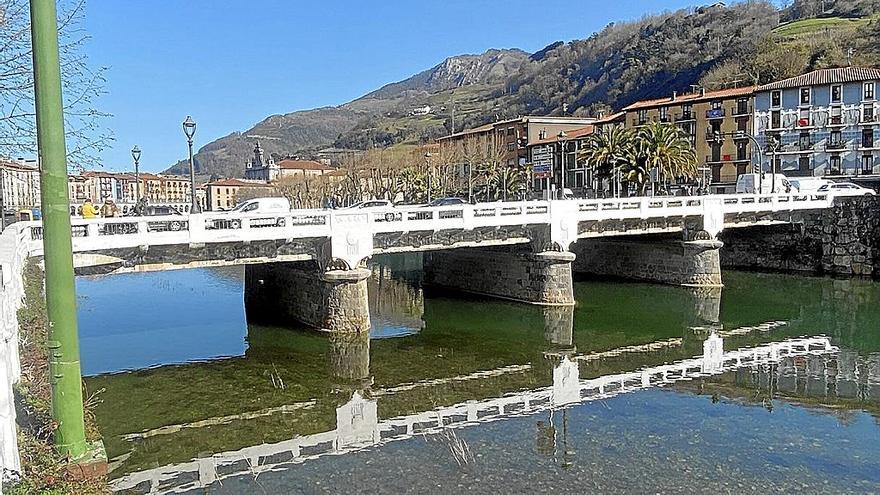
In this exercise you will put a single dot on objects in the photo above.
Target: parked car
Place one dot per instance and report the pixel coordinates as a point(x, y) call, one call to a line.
point(809, 184)
point(272, 207)
point(373, 203)
point(846, 189)
point(763, 184)
point(263, 205)
point(446, 202)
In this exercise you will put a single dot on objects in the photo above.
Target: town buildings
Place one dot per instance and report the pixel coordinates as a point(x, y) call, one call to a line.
point(225, 194)
point(823, 123)
point(555, 165)
point(19, 185)
point(507, 141)
point(717, 123)
point(266, 169)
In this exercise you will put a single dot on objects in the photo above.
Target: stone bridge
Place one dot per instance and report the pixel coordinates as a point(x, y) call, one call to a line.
point(306, 265)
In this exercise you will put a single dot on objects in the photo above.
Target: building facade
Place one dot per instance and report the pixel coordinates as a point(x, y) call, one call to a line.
point(823, 123)
point(19, 185)
point(717, 123)
point(224, 194)
point(555, 165)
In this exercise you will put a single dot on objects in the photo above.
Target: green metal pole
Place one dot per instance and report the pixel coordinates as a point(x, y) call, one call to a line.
point(67, 402)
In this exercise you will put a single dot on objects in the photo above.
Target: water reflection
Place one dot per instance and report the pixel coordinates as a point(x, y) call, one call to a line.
point(290, 395)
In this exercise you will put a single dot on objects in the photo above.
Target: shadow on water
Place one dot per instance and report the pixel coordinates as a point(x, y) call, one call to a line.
point(280, 383)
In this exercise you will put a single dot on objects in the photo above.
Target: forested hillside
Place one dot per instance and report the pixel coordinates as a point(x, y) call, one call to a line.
point(714, 46)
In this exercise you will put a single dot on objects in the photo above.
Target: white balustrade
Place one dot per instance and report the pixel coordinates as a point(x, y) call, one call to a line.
point(351, 231)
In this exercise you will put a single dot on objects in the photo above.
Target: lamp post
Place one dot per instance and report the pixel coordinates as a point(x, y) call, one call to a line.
point(189, 129)
point(562, 136)
point(136, 155)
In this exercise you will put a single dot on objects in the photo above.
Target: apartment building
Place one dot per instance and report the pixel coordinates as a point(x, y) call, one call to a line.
point(224, 194)
point(718, 124)
point(509, 140)
point(823, 123)
point(19, 184)
point(555, 165)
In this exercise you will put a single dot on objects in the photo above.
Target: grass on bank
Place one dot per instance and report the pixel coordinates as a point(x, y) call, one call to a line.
point(43, 470)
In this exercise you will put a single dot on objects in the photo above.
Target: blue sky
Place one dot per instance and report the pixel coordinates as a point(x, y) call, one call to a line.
point(230, 64)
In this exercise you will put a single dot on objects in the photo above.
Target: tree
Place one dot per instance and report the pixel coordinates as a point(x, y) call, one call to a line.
point(665, 148)
point(81, 85)
point(606, 151)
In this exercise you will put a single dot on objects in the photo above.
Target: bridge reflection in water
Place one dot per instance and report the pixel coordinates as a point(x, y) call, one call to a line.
point(297, 396)
point(358, 425)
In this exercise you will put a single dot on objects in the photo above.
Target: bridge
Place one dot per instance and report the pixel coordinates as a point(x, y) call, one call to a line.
point(305, 265)
point(359, 428)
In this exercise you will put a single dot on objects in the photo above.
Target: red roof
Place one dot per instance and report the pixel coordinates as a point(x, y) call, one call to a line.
point(569, 135)
point(825, 76)
point(303, 165)
point(692, 98)
point(236, 183)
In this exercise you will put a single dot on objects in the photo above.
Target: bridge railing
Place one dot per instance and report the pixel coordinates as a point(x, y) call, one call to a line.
point(562, 216)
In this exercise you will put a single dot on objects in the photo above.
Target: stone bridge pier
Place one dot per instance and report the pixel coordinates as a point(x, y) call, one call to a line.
point(653, 259)
point(331, 301)
point(514, 274)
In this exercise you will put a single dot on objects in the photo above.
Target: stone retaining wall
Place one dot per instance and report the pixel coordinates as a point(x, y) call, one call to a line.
point(543, 278)
point(843, 240)
point(653, 259)
point(334, 301)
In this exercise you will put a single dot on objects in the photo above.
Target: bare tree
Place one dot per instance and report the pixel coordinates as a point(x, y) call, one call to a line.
point(81, 85)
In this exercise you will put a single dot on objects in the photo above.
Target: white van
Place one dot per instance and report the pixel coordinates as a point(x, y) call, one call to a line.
point(263, 205)
point(763, 184)
point(809, 184)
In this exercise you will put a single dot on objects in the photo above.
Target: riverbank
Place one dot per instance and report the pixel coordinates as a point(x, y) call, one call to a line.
point(43, 470)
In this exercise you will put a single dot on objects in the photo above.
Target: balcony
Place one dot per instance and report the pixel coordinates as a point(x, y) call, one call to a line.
point(835, 146)
point(717, 158)
point(740, 109)
point(836, 120)
point(743, 157)
point(686, 116)
point(715, 113)
point(710, 135)
point(869, 119)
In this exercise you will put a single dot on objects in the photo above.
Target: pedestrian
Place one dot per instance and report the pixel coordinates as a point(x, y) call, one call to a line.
point(89, 210)
point(109, 210)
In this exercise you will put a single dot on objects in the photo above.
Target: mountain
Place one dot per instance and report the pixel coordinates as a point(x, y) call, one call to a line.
point(714, 46)
point(357, 123)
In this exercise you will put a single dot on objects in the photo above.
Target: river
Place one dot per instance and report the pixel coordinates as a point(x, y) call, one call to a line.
point(188, 395)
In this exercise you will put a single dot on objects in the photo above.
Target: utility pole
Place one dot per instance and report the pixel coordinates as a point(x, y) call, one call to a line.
point(64, 367)
point(2, 202)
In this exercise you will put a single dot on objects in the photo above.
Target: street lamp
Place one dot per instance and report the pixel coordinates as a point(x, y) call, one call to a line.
point(562, 136)
point(136, 155)
point(189, 128)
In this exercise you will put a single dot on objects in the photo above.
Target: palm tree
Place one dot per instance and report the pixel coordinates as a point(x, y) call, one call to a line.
point(667, 149)
point(608, 151)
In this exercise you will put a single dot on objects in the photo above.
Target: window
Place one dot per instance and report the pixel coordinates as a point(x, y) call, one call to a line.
point(741, 151)
point(642, 116)
point(664, 114)
point(836, 93)
point(804, 164)
point(716, 105)
point(742, 125)
point(868, 113)
point(867, 138)
point(834, 164)
point(806, 96)
point(867, 164)
point(511, 146)
point(836, 138)
point(776, 119)
point(804, 141)
point(869, 91)
point(687, 111)
point(776, 99)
